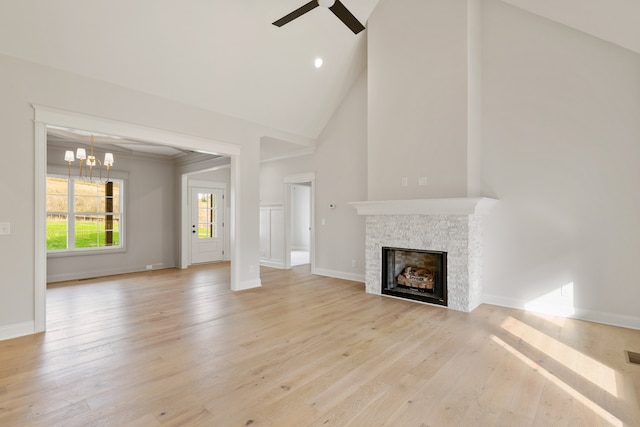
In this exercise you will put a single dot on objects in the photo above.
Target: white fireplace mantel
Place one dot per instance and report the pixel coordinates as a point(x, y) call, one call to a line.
point(443, 206)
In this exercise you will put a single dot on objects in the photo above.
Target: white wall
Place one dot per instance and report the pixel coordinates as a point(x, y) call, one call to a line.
point(417, 99)
point(560, 134)
point(561, 150)
point(339, 163)
point(272, 177)
point(217, 175)
point(150, 198)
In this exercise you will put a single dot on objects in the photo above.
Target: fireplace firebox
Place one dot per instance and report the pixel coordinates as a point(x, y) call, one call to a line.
point(415, 274)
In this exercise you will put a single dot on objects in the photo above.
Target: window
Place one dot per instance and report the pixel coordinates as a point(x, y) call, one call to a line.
point(83, 215)
point(207, 215)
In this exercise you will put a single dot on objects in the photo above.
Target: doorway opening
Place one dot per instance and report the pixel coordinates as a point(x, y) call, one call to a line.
point(46, 117)
point(299, 220)
point(300, 223)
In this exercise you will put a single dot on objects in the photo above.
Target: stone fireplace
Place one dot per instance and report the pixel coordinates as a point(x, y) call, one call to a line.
point(452, 226)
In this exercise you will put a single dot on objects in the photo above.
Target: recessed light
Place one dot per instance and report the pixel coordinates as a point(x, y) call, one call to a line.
point(318, 62)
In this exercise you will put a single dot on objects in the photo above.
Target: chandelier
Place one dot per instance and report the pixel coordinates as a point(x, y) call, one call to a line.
point(89, 161)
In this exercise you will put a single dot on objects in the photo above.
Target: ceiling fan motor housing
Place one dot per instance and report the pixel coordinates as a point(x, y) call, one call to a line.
point(326, 3)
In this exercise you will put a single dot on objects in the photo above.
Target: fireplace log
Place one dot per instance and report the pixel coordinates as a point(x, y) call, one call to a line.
point(415, 277)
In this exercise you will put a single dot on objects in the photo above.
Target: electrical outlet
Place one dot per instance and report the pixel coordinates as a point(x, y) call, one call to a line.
point(5, 228)
point(405, 181)
point(422, 181)
point(150, 267)
point(354, 263)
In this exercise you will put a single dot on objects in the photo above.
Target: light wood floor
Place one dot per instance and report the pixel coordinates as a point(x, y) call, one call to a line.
point(177, 348)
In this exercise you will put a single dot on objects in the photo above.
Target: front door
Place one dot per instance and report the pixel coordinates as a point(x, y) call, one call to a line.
point(207, 219)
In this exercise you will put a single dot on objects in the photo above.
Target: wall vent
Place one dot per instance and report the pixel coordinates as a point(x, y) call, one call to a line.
point(633, 357)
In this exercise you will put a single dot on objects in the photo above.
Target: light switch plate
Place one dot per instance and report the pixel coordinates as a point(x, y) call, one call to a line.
point(5, 228)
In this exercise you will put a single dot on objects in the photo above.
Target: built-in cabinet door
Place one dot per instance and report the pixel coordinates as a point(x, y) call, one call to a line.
point(265, 233)
point(277, 235)
point(272, 235)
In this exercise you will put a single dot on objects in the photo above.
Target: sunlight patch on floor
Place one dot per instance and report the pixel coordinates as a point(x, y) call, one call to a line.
point(588, 403)
point(583, 365)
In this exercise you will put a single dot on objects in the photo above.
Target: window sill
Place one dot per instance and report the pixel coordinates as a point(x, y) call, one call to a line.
point(84, 252)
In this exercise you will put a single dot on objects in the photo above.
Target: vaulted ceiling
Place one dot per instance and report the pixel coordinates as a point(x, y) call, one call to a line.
point(220, 55)
point(225, 56)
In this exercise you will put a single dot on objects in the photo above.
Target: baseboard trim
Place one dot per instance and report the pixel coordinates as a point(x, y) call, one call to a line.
point(624, 321)
point(17, 330)
point(613, 319)
point(339, 275)
point(249, 284)
point(100, 273)
point(272, 264)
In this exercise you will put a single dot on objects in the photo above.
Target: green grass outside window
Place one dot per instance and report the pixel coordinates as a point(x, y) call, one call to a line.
point(89, 234)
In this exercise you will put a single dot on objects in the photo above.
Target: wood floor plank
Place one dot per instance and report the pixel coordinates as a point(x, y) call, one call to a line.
point(178, 348)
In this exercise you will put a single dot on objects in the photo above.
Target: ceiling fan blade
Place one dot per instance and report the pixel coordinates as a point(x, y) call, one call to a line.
point(347, 17)
point(296, 13)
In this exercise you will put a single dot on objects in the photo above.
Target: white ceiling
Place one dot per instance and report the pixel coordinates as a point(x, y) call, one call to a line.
point(74, 138)
point(225, 56)
point(616, 21)
point(220, 55)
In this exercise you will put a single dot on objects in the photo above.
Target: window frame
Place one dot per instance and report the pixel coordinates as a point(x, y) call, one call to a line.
point(71, 214)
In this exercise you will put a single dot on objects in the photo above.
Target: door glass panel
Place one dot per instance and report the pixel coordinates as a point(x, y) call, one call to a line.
point(207, 216)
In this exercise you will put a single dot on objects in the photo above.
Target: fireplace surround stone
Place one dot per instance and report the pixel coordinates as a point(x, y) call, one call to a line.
point(454, 226)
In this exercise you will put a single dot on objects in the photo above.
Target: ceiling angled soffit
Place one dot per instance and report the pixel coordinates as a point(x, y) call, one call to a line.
point(615, 21)
point(272, 149)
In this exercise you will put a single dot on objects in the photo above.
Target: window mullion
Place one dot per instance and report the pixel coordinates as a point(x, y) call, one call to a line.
point(71, 217)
